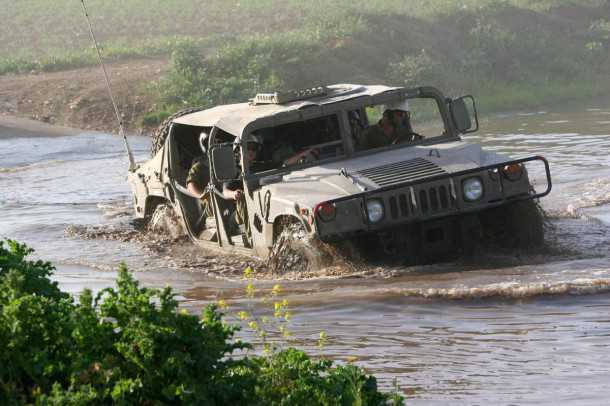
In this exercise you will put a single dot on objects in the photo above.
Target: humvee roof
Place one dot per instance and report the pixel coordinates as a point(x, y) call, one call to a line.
point(240, 118)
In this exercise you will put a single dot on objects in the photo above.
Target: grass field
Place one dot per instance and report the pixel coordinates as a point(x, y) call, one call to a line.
point(34, 29)
point(510, 51)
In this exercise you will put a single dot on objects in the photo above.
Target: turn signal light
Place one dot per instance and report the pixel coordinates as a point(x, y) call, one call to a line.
point(325, 211)
point(513, 171)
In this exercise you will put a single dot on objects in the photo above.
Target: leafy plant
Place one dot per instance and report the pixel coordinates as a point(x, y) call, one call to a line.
point(132, 345)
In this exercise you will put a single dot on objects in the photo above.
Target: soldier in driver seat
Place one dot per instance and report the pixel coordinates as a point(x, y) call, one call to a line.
point(393, 128)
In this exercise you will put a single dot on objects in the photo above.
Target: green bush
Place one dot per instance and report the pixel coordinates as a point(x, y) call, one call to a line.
point(236, 72)
point(131, 345)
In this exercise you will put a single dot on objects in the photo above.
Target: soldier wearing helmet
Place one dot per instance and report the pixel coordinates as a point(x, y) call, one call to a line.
point(199, 176)
point(234, 190)
point(393, 128)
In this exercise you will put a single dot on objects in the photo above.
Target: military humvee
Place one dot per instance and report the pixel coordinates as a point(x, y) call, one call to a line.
point(418, 200)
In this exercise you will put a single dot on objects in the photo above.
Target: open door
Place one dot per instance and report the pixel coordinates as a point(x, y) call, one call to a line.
point(182, 144)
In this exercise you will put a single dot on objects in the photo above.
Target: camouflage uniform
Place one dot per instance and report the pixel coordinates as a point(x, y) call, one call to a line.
point(199, 175)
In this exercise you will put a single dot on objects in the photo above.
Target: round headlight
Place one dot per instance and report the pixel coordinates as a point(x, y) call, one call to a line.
point(473, 189)
point(374, 210)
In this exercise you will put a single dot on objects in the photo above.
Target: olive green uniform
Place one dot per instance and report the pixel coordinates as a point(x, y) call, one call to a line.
point(375, 137)
point(240, 215)
point(199, 175)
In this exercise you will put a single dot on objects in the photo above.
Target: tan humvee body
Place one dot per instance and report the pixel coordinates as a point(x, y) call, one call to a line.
point(419, 185)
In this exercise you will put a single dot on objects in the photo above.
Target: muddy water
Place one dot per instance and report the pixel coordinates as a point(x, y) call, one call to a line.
point(502, 329)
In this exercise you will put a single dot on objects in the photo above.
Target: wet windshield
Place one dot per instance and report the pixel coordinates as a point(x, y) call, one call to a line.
point(402, 122)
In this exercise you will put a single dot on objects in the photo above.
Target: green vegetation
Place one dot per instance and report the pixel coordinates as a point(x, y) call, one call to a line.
point(509, 55)
point(131, 345)
point(227, 50)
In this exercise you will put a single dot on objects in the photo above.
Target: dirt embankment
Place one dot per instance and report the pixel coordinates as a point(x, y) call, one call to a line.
point(79, 98)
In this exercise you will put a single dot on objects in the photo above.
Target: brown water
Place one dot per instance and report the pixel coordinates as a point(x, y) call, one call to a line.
point(532, 329)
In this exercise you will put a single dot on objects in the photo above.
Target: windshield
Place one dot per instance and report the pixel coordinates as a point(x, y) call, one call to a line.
point(404, 122)
point(297, 143)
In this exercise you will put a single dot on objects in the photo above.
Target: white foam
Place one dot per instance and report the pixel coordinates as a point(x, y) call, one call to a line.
point(514, 290)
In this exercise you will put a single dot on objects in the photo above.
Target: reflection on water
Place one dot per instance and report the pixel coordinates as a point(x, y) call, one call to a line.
point(502, 330)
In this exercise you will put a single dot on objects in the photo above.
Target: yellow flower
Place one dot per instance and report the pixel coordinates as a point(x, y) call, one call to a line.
point(250, 290)
point(243, 315)
point(248, 273)
point(253, 325)
point(222, 305)
point(323, 339)
point(184, 311)
point(267, 348)
point(287, 316)
point(284, 331)
point(276, 289)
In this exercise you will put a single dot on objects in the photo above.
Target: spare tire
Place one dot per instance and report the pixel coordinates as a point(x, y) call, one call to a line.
point(160, 134)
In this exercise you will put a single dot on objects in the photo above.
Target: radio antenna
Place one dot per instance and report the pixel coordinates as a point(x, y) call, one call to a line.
point(132, 164)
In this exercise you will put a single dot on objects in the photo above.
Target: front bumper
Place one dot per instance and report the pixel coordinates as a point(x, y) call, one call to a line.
point(430, 198)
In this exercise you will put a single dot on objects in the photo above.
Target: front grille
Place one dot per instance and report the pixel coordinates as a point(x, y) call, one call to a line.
point(423, 201)
point(400, 172)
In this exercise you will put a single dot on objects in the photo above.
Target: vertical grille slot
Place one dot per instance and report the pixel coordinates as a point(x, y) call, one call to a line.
point(433, 199)
point(442, 191)
point(393, 207)
point(423, 201)
point(404, 206)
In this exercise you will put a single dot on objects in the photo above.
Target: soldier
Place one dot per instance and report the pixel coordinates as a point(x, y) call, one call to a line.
point(199, 177)
point(234, 190)
point(393, 128)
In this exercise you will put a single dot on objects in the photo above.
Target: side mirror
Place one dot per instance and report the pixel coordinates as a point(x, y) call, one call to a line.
point(464, 114)
point(223, 162)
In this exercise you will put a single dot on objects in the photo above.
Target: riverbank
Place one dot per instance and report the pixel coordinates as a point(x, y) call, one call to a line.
point(78, 98)
point(64, 103)
point(512, 56)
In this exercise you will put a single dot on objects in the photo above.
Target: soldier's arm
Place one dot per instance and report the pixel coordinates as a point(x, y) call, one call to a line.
point(192, 182)
point(230, 192)
point(194, 189)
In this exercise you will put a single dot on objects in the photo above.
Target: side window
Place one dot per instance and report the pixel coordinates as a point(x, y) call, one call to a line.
point(298, 143)
point(374, 114)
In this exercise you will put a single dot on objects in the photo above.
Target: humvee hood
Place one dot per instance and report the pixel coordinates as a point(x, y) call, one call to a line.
point(334, 180)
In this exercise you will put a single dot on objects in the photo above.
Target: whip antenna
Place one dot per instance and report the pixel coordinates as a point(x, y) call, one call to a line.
point(132, 164)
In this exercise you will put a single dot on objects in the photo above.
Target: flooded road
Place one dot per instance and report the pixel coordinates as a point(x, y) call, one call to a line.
point(529, 329)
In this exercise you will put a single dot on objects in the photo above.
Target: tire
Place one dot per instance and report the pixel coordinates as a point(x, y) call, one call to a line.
point(295, 251)
point(519, 225)
point(160, 134)
point(164, 221)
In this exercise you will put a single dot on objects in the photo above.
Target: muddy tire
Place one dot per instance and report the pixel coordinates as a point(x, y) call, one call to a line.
point(160, 134)
point(295, 251)
point(519, 225)
point(164, 221)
